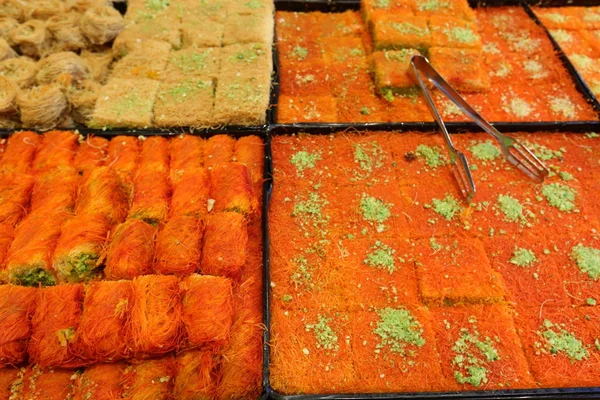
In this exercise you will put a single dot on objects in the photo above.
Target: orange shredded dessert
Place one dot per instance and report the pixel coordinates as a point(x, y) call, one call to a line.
point(79, 250)
point(196, 375)
point(325, 72)
point(479, 348)
point(92, 152)
point(559, 347)
point(54, 323)
point(150, 196)
point(191, 193)
point(218, 150)
point(74, 215)
point(179, 246)
point(155, 154)
point(207, 308)
point(105, 310)
point(20, 151)
point(149, 380)
point(7, 378)
point(101, 381)
point(225, 239)
point(45, 383)
point(154, 322)
point(131, 250)
point(57, 150)
point(384, 279)
point(16, 308)
point(232, 189)
point(575, 29)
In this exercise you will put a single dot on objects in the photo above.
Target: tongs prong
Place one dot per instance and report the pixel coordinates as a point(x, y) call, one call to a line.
point(514, 152)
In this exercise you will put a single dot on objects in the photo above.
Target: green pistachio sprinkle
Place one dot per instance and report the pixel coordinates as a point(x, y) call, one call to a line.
point(300, 53)
point(447, 207)
point(557, 340)
point(368, 156)
point(544, 153)
point(587, 260)
point(472, 355)
point(303, 160)
point(287, 298)
point(590, 301)
point(461, 35)
point(560, 196)
point(485, 151)
point(398, 329)
point(434, 244)
point(511, 208)
point(432, 155)
point(523, 257)
point(374, 209)
point(326, 337)
point(365, 111)
point(381, 256)
point(566, 176)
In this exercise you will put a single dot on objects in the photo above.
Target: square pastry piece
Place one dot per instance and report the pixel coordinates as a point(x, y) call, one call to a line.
point(392, 32)
point(454, 32)
point(391, 70)
point(461, 68)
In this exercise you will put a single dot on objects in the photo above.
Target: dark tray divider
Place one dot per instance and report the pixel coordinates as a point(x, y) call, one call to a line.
point(326, 129)
point(343, 5)
point(234, 131)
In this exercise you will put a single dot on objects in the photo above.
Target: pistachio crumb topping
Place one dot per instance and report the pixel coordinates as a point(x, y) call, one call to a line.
point(304, 160)
point(326, 337)
point(398, 329)
point(431, 154)
point(472, 356)
point(511, 208)
point(374, 210)
point(300, 53)
point(381, 256)
point(587, 260)
point(523, 257)
point(560, 196)
point(555, 339)
point(368, 156)
point(447, 207)
point(485, 151)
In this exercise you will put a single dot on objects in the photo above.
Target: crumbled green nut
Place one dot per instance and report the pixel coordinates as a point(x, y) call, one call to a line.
point(435, 245)
point(591, 135)
point(368, 156)
point(381, 256)
point(303, 160)
point(472, 355)
point(560, 196)
point(374, 209)
point(557, 340)
point(511, 208)
point(365, 111)
point(326, 337)
point(287, 298)
point(398, 330)
point(590, 301)
point(523, 257)
point(485, 151)
point(432, 155)
point(544, 153)
point(34, 277)
point(448, 207)
point(299, 53)
point(566, 176)
point(587, 260)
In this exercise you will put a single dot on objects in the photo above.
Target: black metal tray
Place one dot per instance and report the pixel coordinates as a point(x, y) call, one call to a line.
point(343, 5)
point(326, 129)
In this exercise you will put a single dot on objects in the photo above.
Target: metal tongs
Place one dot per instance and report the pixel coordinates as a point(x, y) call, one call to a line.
point(514, 152)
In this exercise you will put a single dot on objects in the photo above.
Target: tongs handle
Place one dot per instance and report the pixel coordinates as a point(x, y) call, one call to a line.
point(514, 152)
point(458, 161)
